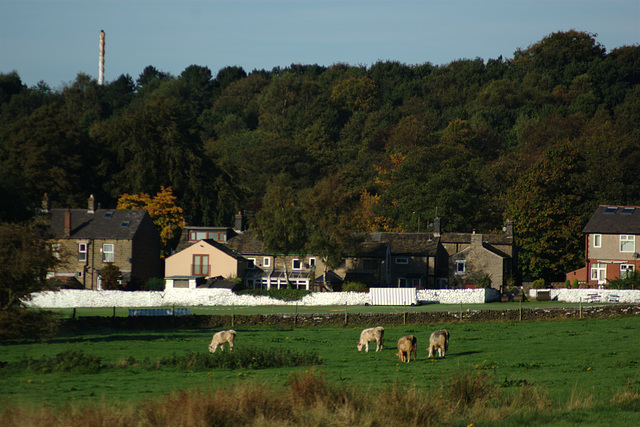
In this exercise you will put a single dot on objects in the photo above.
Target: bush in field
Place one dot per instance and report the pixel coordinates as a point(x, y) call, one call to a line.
point(67, 361)
point(27, 324)
point(243, 358)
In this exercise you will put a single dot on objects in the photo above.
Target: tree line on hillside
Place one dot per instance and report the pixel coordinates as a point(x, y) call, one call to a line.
point(540, 139)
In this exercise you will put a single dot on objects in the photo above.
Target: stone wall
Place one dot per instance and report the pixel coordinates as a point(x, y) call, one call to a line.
point(624, 296)
point(70, 298)
point(427, 319)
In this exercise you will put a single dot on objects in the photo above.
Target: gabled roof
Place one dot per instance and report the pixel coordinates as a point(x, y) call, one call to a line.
point(246, 243)
point(219, 246)
point(492, 239)
point(611, 219)
point(407, 243)
point(119, 224)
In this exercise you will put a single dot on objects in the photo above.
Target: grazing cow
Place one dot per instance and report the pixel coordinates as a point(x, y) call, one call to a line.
point(372, 334)
point(219, 338)
point(439, 340)
point(406, 345)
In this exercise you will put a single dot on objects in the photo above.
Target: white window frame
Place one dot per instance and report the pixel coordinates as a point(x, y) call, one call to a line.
point(402, 260)
point(627, 243)
point(599, 272)
point(597, 240)
point(312, 262)
point(266, 262)
point(461, 271)
point(82, 251)
point(293, 264)
point(625, 269)
point(251, 263)
point(108, 255)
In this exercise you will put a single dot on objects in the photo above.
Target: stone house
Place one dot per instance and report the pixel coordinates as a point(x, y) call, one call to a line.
point(266, 270)
point(86, 240)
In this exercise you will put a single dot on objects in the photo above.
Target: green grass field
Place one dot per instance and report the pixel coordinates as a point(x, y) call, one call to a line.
point(595, 356)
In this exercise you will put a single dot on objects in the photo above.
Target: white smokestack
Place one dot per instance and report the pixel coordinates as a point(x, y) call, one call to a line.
point(101, 61)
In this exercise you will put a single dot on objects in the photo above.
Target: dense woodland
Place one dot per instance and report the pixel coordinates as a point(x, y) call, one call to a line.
point(541, 139)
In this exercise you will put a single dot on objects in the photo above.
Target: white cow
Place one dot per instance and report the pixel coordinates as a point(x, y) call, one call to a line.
point(219, 338)
point(372, 334)
point(439, 340)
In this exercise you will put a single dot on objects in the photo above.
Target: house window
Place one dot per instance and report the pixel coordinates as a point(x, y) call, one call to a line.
point(266, 262)
point(181, 283)
point(625, 269)
point(461, 266)
point(222, 237)
point(82, 251)
point(597, 240)
point(108, 252)
point(627, 243)
point(416, 283)
point(297, 265)
point(402, 282)
point(402, 260)
point(251, 263)
point(200, 265)
point(312, 262)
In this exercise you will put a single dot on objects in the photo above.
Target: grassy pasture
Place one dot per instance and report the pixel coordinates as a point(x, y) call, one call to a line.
point(290, 309)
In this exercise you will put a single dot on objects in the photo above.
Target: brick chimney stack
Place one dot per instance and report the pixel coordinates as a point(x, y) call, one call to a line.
point(436, 227)
point(67, 223)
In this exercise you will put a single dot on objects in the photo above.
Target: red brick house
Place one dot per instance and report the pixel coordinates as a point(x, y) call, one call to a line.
point(612, 243)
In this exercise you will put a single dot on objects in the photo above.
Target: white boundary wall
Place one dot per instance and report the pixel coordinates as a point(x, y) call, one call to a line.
point(75, 298)
point(623, 296)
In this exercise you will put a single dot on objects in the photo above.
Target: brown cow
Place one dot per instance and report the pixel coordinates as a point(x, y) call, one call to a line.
point(406, 345)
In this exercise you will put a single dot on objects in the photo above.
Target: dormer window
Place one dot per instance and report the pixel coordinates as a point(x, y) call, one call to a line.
point(108, 214)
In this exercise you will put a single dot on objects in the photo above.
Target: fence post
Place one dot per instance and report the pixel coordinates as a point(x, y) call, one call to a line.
point(73, 316)
point(580, 307)
point(520, 310)
point(233, 314)
point(460, 310)
point(345, 313)
point(114, 311)
point(295, 318)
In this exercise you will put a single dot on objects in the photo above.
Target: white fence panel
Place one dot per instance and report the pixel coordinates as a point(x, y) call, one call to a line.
point(393, 296)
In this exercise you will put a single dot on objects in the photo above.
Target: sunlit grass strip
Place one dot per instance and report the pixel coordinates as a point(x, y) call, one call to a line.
point(469, 398)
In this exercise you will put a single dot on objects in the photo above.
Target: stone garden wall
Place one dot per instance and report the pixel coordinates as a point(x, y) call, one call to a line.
point(76, 298)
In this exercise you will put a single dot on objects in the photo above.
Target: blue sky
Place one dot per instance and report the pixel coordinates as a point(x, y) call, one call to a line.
point(53, 41)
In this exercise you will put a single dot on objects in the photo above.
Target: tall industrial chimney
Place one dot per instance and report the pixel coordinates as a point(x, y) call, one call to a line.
point(101, 61)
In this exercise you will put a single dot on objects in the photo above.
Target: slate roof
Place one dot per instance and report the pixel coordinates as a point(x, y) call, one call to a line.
point(611, 219)
point(407, 243)
point(121, 224)
point(246, 243)
point(227, 250)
